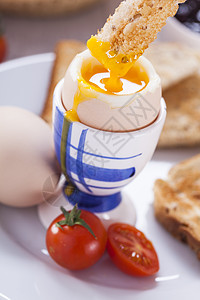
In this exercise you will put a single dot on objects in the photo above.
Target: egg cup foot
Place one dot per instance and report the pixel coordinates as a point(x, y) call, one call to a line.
point(110, 209)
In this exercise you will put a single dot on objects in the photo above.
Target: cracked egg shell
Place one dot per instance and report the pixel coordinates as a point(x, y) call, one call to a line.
point(110, 112)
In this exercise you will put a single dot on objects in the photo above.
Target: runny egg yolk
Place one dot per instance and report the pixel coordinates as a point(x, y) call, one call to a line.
point(112, 74)
point(117, 64)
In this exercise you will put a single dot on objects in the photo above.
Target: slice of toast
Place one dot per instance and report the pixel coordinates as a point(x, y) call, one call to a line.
point(65, 51)
point(173, 62)
point(135, 24)
point(177, 202)
point(182, 126)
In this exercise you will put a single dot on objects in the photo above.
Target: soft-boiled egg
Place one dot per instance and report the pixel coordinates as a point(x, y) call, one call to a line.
point(29, 168)
point(117, 64)
point(95, 97)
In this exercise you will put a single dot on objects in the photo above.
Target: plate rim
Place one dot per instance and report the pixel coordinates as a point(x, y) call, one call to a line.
point(27, 60)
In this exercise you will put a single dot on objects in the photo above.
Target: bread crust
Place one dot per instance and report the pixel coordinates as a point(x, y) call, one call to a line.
point(178, 67)
point(135, 24)
point(177, 202)
point(182, 126)
point(173, 62)
point(65, 51)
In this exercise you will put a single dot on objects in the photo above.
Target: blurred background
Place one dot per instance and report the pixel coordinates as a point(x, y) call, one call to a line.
point(27, 32)
point(34, 26)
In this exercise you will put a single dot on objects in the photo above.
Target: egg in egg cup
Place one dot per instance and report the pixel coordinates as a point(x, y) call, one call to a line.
point(99, 159)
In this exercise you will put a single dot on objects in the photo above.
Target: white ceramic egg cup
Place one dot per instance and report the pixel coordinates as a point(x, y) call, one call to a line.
point(175, 31)
point(97, 165)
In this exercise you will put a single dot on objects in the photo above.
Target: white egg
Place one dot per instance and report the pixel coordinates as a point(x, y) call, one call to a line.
point(125, 112)
point(28, 165)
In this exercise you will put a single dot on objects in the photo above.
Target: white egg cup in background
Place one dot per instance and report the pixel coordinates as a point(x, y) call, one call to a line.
point(175, 31)
point(97, 164)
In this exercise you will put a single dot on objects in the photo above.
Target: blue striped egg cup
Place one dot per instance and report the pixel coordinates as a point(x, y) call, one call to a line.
point(98, 164)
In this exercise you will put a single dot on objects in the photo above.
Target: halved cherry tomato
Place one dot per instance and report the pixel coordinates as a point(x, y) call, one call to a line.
point(73, 246)
point(131, 251)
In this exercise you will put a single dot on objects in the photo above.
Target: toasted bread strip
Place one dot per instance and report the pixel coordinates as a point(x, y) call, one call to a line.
point(135, 24)
point(173, 62)
point(65, 52)
point(177, 205)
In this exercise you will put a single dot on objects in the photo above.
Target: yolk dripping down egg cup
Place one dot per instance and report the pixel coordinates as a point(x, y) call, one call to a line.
point(106, 144)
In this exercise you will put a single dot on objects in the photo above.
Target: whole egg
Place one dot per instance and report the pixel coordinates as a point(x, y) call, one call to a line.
point(29, 168)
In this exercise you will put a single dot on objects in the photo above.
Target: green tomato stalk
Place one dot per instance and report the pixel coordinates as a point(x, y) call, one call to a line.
point(73, 218)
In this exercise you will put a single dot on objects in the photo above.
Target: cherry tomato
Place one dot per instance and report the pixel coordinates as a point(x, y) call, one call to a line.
point(131, 251)
point(2, 48)
point(74, 247)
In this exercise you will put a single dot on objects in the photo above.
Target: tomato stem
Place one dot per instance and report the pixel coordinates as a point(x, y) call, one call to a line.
point(73, 218)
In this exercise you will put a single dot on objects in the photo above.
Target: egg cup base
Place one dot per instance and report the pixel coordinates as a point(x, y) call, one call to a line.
point(110, 209)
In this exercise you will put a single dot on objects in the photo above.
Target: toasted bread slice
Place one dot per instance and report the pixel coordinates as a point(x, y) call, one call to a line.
point(177, 202)
point(173, 62)
point(182, 126)
point(135, 24)
point(65, 52)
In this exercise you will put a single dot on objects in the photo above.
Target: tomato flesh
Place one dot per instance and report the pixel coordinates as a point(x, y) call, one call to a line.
point(131, 251)
point(74, 247)
point(2, 48)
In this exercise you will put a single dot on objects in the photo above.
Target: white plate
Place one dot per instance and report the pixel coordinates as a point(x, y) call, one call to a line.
point(27, 272)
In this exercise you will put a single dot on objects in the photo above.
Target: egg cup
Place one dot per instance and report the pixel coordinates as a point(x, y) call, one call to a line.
point(175, 31)
point(97, 164)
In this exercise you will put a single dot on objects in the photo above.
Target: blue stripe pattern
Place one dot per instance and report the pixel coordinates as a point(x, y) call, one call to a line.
point(95, 204)
point(84, 170)
point(68, 159)
point(102, 156)
point(82, 175)
point(58, 124)
point(98, 187)
point(97, 173)
point(79, 164)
